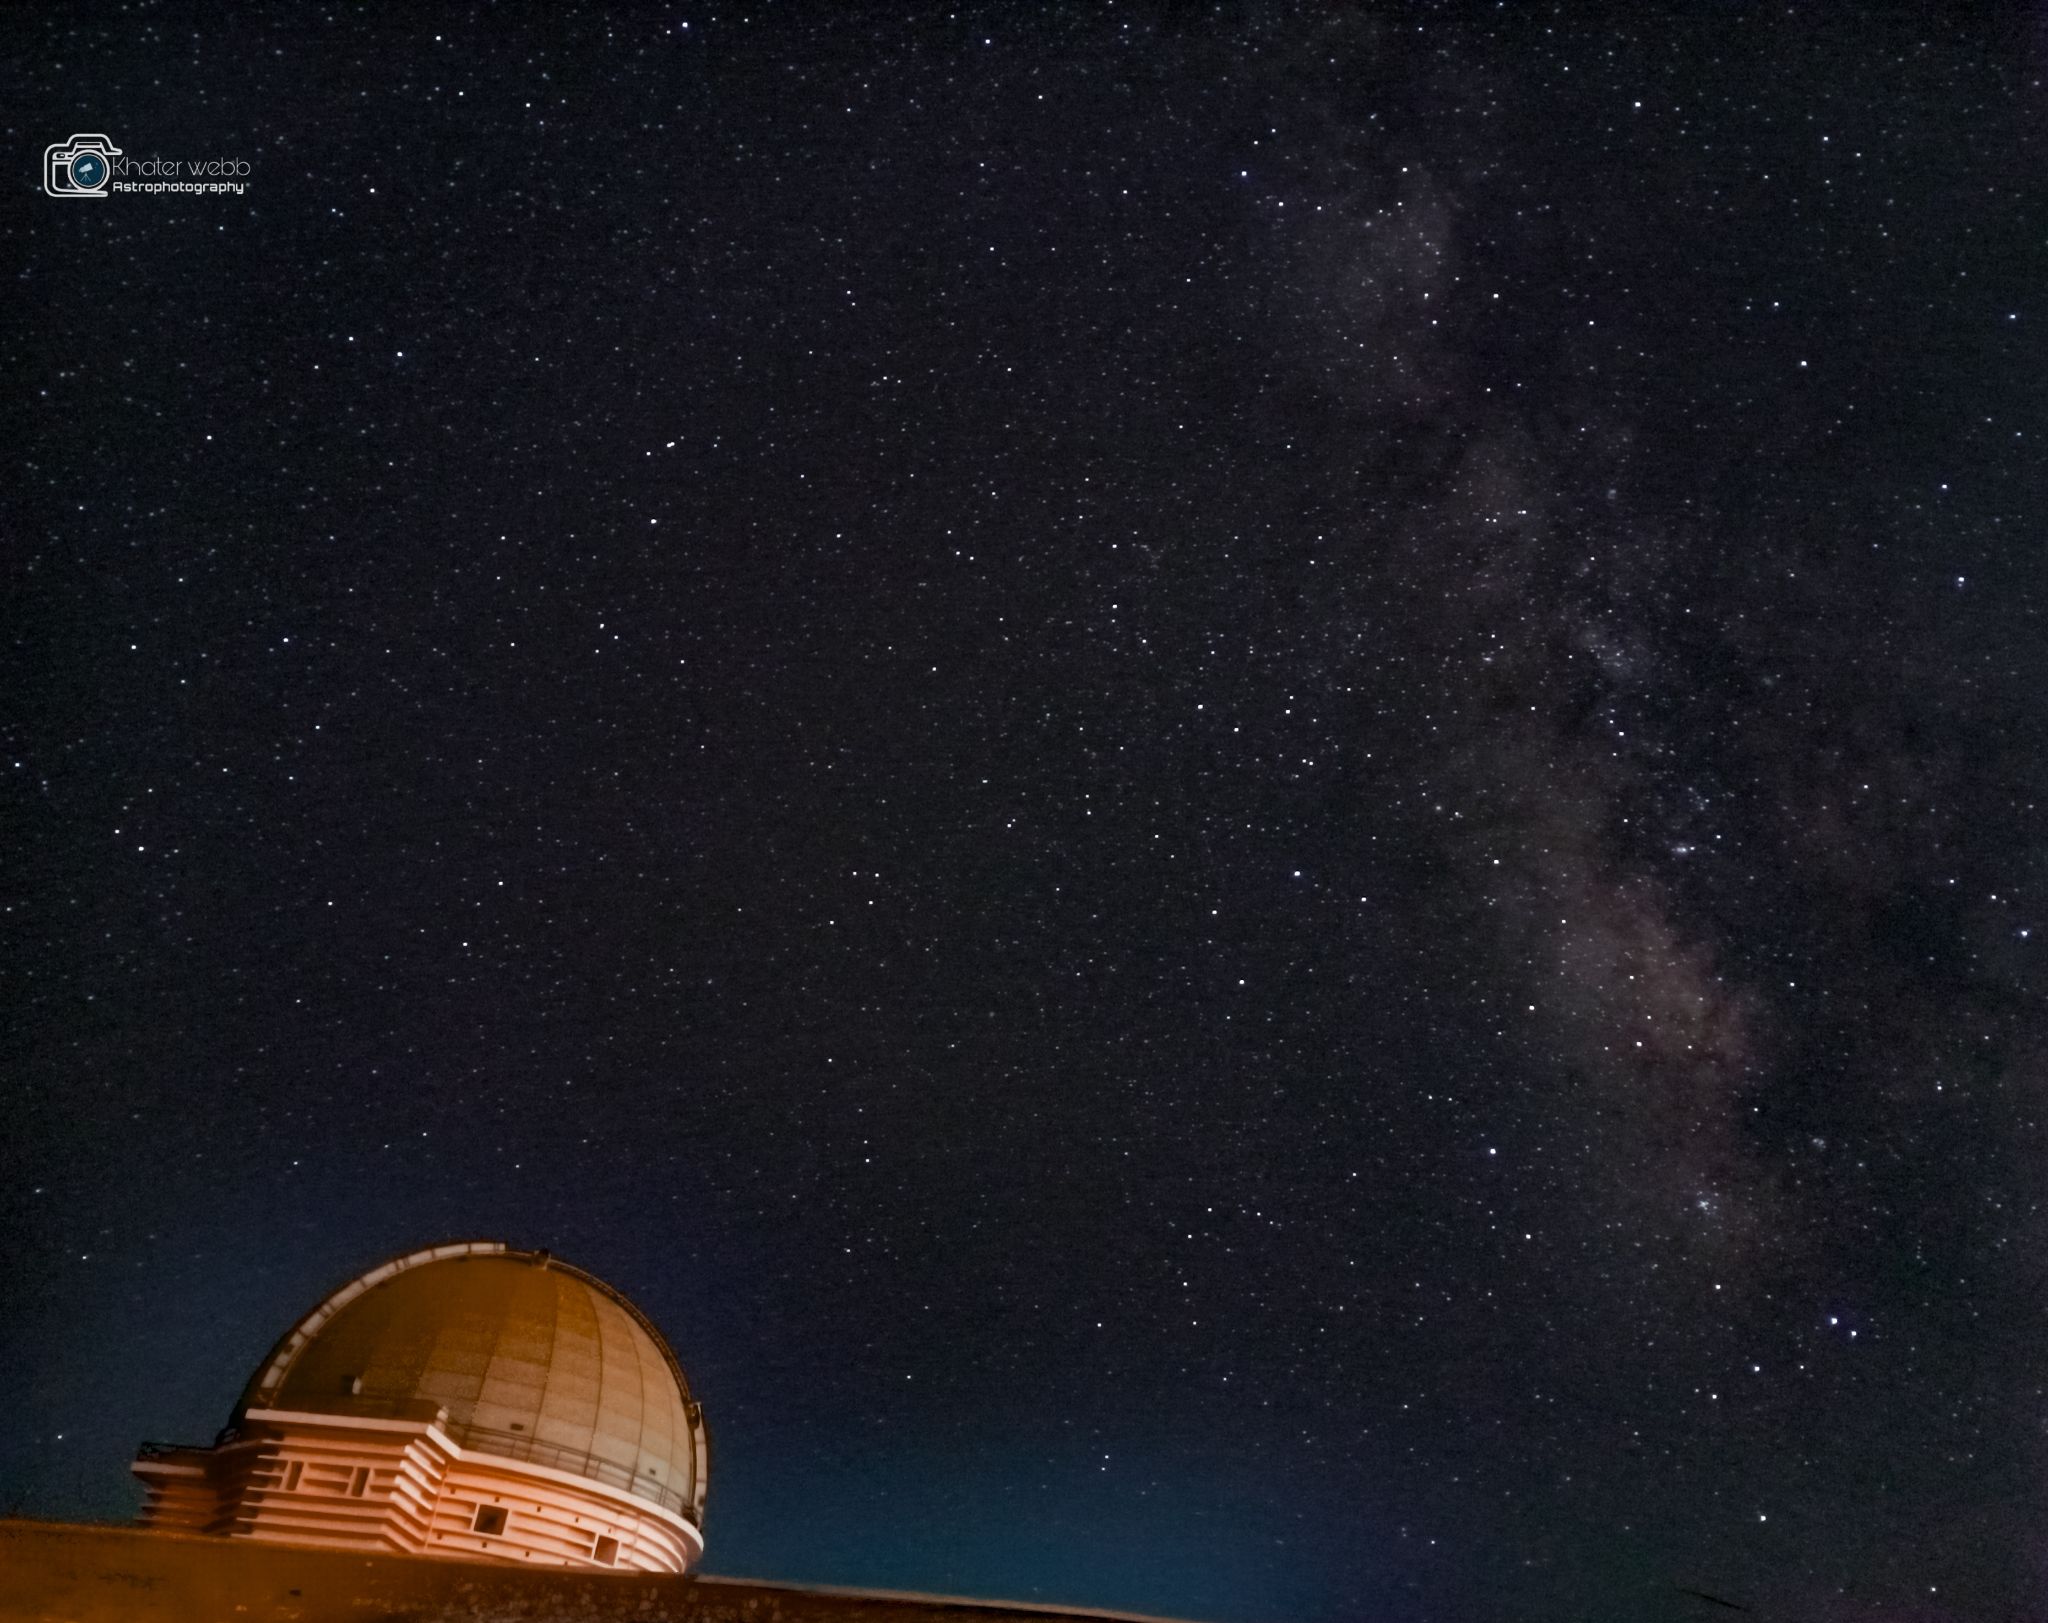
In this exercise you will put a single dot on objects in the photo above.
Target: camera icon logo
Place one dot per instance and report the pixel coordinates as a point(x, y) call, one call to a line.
point(79, 167)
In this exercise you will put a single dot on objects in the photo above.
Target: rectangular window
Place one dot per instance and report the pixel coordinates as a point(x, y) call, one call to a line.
point(490, 1520)
point(359, 1484)
point(605, 1552)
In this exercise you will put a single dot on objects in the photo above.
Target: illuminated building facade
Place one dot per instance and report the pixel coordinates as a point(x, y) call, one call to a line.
point(466, 1401)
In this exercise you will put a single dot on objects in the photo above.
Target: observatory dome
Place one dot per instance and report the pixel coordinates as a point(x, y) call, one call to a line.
point(523, 1356)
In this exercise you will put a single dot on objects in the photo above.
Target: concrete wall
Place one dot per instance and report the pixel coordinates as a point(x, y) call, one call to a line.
point(382, 1486)
point(56, 1572)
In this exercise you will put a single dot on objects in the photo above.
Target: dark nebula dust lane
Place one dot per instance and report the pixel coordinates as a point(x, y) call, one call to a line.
point(1252, 801)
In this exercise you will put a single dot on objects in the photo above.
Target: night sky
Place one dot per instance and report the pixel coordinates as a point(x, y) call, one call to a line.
point(1252, 799)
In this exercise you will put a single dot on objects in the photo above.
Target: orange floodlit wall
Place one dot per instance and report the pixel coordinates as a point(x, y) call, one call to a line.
point(342, 1482)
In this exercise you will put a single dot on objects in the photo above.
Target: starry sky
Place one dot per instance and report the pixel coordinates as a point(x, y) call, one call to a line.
point(1251, 798)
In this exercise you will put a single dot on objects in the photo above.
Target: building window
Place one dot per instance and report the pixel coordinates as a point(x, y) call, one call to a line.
point(359, 1484)
point(605, 1552)
point(490, 1520)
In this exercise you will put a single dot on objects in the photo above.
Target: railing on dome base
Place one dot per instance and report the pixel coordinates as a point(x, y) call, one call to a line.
point(170, 1451)
point(517, 1445)
point(508, 1445)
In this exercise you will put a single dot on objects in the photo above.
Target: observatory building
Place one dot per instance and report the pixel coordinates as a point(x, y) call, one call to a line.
point(466, 1431)
point(465, 1401)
